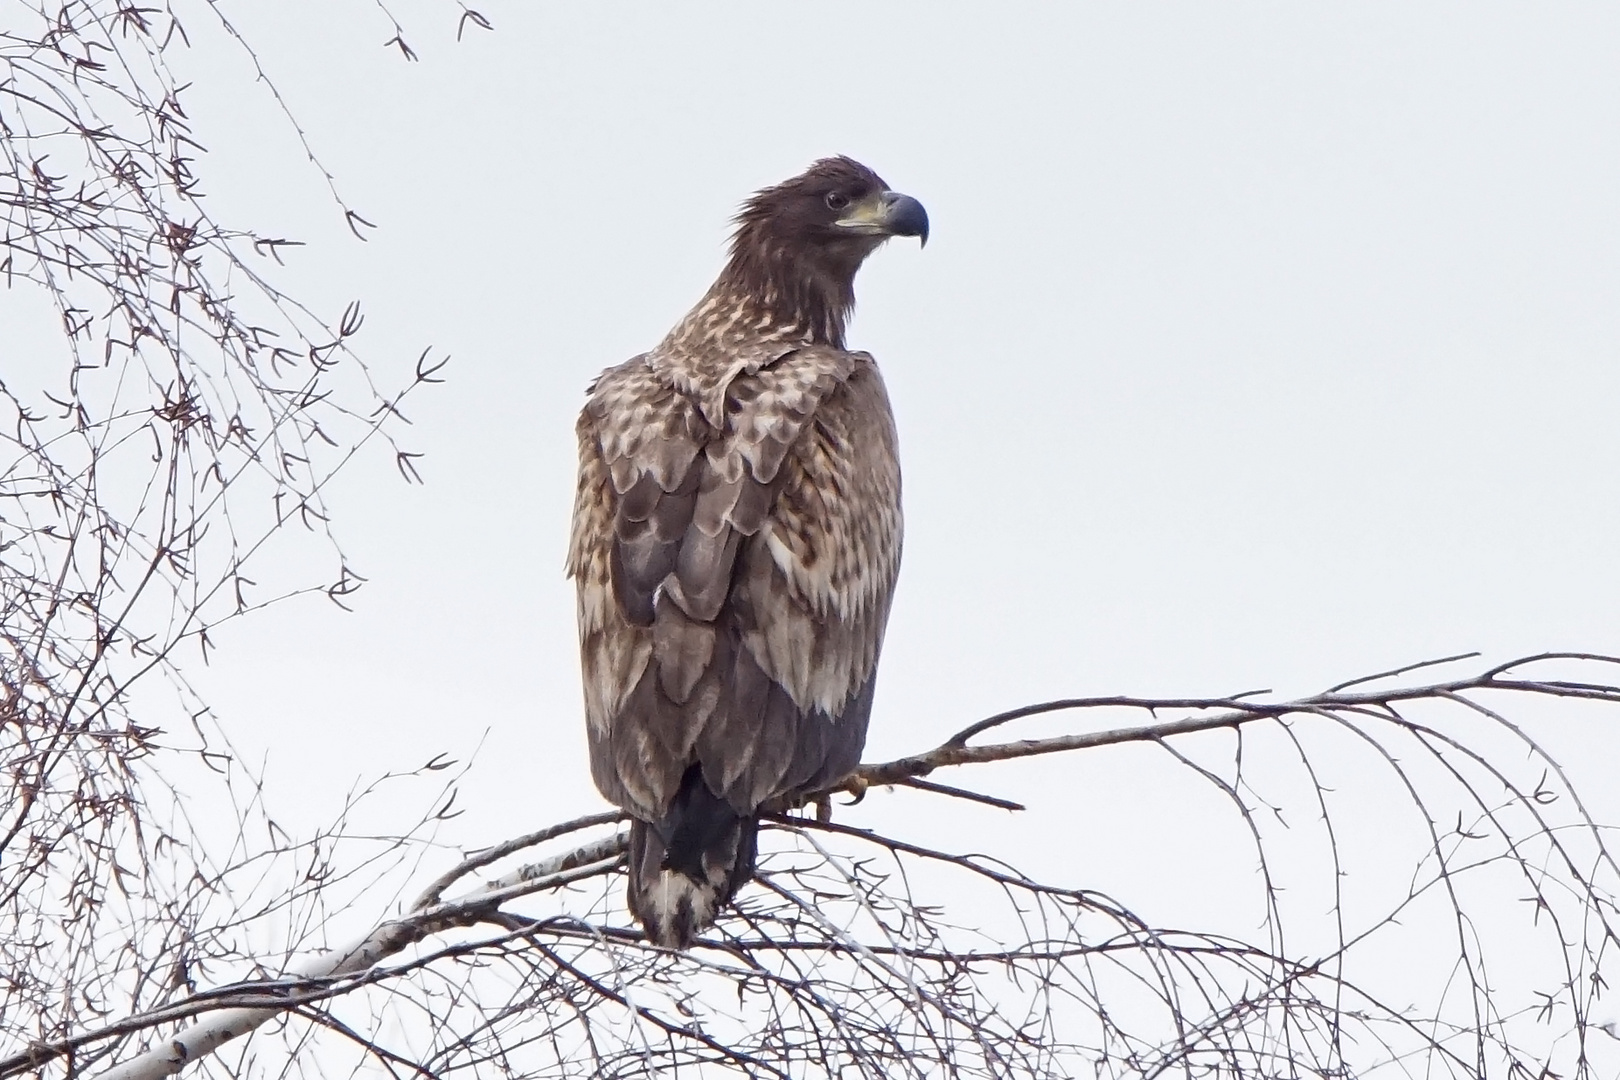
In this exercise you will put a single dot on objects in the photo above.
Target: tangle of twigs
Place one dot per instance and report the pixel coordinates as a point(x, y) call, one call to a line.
point(168, 418)
point(849, 956)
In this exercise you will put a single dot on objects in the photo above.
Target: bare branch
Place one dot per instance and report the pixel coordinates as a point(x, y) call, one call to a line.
point(1227, 713)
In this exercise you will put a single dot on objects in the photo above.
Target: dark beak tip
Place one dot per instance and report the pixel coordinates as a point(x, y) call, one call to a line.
point(908, 218)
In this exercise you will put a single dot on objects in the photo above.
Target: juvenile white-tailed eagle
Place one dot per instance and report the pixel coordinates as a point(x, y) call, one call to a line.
point(735, 543)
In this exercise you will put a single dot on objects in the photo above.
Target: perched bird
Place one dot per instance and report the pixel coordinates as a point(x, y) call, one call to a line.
point(735, 542)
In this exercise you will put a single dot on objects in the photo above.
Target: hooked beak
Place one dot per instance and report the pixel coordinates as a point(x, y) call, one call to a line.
point(887, 213)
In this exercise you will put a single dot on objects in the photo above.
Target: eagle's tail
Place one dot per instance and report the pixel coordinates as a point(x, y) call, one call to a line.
point(687, 865)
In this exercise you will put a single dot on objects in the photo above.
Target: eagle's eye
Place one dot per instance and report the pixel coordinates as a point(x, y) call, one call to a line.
point(837, 200)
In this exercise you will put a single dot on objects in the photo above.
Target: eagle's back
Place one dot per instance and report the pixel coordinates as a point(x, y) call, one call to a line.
point(735, 547)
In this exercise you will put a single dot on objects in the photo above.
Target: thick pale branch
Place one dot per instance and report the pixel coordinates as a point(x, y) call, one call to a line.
point(221, 1025)
point(431, 894)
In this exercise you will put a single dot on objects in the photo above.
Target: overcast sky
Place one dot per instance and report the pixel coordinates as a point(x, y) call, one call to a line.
point(1254, 346)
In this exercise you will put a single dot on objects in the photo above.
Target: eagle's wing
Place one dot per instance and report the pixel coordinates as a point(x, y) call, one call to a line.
point(734, 582)
point(811, 597)
point(639, 440)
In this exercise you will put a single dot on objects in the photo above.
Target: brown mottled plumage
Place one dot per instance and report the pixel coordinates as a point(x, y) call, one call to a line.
point(735, 543)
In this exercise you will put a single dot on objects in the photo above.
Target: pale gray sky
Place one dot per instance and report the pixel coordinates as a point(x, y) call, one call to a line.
point(1256, 345)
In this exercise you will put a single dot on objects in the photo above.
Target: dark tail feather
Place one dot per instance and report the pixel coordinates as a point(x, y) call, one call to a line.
point(686, 866)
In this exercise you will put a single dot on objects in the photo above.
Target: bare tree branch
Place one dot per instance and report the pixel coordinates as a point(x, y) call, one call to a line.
point(1229, 713)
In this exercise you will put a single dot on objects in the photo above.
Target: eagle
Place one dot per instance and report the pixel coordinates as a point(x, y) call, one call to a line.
point(735, 542)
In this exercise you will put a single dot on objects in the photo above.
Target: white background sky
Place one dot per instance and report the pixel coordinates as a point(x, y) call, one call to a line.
point(1255, 346)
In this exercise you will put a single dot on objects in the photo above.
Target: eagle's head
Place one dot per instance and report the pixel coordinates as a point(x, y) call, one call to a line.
point(836, 207)
point(799, 243)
